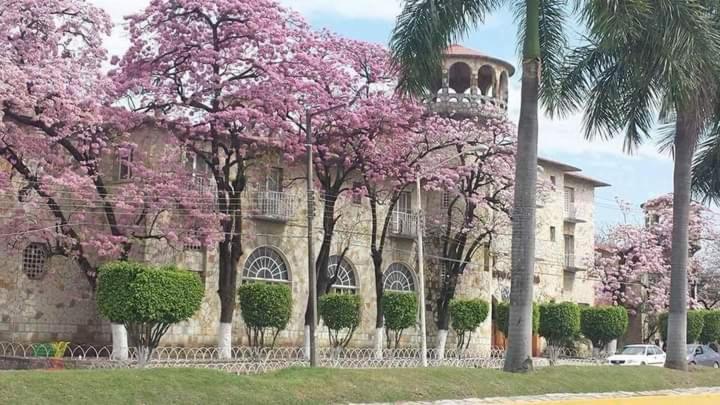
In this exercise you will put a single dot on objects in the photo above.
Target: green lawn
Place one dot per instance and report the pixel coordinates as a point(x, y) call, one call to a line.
point(195, 386)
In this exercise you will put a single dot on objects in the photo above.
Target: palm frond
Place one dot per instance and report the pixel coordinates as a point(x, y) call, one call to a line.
point(424, 29)
point(706, 167)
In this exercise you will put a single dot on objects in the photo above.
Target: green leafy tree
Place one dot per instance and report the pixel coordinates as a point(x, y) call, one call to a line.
point(695, 322)
point(641, 58)
point(424, 30)
point(559, 325)
point(711, 327)
point(466, 316)
point(603, 324)
point(264, 307)
point(341, 314)
point(147, 300)
point(400, 312)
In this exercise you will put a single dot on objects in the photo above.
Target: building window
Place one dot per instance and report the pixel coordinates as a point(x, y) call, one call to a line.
point(266, 264)
point(342, 272)
point(34, 259)
point(445, 200)
point(486, 256)
point(552, 234)
point(273, 180)
point(398, 277)
point(357, 193)
point(125, 164)
point(553, 180)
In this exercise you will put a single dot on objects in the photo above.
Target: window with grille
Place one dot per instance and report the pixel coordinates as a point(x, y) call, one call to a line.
point(445, 200)
point(266, 264)
point(552, 234)
point(34, 261)
point(341, 270)
point(357, 196)
point(398, 277)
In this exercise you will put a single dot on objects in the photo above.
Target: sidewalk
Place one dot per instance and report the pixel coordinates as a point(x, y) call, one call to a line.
point(692, 396)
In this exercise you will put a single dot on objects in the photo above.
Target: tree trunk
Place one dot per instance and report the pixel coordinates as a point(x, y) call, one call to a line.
point(523, 218)
point(119, 341)
point(379, 321)
point(323, 256)
point(227, 287)
point(687, 128)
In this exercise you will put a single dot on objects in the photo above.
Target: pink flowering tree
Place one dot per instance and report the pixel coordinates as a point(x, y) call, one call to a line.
point(475, 193)
point(632, 262)
point(77, 182)
point(216, 75)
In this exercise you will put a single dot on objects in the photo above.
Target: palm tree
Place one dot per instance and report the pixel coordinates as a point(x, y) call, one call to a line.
point(424, 30)
point(645, 58)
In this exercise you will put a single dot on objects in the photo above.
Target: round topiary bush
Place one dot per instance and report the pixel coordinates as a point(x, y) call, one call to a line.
point(264, 307)
point(603, 324)
point(466, 316)
point(502, 316)
point(147, 300)
point(559, 323)
point(400, 312)
point(341, 313)
point(695, 324)
point(711, 327)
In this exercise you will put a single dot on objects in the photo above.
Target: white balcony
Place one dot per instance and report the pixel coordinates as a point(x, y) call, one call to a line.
point(273, 206)
point(403, 224)
point(571, 214)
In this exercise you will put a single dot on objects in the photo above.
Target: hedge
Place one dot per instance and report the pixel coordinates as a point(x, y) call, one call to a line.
point(502, 316)
point(603, 324)
point(466, 316)
point(147, 299)
point(559, 323)
point(400, 312)
point(695, 323)
point(264, 307)
point(711, 327)
point(340, 312)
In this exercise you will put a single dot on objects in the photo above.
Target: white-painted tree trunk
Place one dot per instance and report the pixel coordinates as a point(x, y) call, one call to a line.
point(379, 335)
point(441, 341)
point(225, 340)
point(611, 347)
point(306, 342)
point(119, 341)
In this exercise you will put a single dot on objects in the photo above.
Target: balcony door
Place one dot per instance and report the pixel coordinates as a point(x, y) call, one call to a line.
point(569, 251)
point(271, 198)
point(401, 213)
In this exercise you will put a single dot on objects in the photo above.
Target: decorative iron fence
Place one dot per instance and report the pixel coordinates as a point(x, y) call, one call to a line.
point(247, 360)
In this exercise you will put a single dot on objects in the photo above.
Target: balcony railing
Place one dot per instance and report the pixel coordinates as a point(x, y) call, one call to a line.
point(404, 224)
point(465, 103)
point(571, 265)
point(273, 205)
point(571, 214)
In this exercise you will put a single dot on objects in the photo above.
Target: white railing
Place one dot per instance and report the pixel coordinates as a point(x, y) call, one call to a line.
point(463, 101)
point(273, 205)
point(404, 224)
point(571, 212)
point(248, 360)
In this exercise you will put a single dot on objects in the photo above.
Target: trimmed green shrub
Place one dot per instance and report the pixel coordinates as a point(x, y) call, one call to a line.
point(559, 323)
point(711, 327)
point(502, 316)
point(265, 307)
point(695, 324)
point(400, 312)
point(341, 313)
point(466, 316)
point(603, 324)
point(147, 300)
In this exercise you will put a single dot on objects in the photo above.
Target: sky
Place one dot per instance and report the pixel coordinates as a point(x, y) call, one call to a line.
point(634, 178)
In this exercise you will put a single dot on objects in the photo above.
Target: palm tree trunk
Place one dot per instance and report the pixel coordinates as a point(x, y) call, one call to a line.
point(687, 128)
point(523, 218)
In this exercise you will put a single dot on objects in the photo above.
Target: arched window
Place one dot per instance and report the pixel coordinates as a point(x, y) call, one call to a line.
point(398, 277)
point(486, 80)
point(345, 281)
point(459, 77)
point(266, 264)
point(504, 86)
point(34, 258)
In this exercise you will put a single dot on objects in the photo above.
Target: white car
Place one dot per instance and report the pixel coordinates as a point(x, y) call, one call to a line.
point(638, 355)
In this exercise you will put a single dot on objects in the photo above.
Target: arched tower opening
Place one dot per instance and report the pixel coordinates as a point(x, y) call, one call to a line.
point(459, 77)
point(486, 80)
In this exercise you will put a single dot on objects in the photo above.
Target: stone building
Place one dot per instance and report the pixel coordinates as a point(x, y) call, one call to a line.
point(46, 298)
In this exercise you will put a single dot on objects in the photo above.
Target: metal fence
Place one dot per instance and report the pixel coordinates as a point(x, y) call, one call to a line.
point(247, 360)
